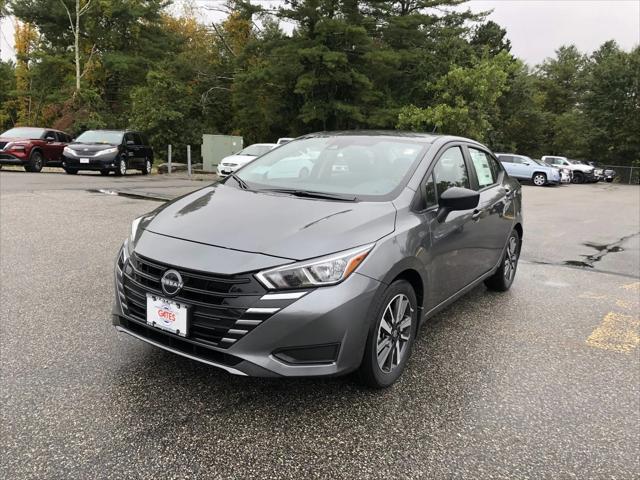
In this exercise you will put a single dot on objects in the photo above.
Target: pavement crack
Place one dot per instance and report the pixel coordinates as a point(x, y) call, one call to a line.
point(602, 251)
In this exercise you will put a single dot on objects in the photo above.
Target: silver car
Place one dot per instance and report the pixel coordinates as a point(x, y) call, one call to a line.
point(324, 273)
point(527, 169)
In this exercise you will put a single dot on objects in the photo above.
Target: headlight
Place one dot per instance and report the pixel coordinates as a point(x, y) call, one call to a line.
point(324, 271)
point(15, 146)
point(68, 151)
point(107, 151)
point(134, 230)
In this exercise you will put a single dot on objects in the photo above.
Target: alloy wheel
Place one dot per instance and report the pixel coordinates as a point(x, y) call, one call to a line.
point(539, 180)
point(147, 166)
point(123, 167)
point(394, 333)
point(511, 258)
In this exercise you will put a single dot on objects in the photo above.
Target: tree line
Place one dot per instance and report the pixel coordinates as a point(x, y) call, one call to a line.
point(310, 65)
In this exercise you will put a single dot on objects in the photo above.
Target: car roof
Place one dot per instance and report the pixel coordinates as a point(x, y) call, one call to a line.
point(262, 144)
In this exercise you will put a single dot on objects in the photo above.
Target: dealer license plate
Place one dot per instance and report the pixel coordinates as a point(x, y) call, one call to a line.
point(84, 160)
point(167, 315)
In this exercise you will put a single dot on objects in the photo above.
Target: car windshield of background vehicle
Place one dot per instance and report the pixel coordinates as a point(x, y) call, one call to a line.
point(366, 167)
point(96, 136)
point(255, 150)
point(24, 132)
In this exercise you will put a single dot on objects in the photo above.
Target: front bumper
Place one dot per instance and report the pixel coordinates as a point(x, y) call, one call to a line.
point(108, 162)
point(13, 158)
point(331, 320)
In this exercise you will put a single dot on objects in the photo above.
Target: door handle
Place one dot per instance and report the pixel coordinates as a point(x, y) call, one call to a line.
point(507, 192)
point(476, 215)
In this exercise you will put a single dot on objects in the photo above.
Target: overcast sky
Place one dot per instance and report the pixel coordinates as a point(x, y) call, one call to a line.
point(536, 28)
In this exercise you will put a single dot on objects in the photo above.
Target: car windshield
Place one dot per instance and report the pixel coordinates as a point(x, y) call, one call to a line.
point(100, 136)
point(363, 167)
point(255, 150)
point(24, 132)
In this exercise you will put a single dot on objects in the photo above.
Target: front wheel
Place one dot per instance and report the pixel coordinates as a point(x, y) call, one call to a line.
point(539, 179)
point(36, 162)
point(578, 178)
point(391, 336)
point(503, 278)
point(121, 168)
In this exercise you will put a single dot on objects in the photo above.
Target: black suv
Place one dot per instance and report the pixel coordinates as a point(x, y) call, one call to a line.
point(108, 150)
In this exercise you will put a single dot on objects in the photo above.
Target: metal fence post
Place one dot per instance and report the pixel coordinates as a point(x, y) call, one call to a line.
point(169, 159)
point(630, 175)
point(189, 160)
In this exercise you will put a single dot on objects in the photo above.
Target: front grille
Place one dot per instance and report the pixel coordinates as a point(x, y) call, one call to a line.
point(220, 305)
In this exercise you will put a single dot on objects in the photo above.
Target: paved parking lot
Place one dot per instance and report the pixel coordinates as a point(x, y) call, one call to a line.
point(540, 382)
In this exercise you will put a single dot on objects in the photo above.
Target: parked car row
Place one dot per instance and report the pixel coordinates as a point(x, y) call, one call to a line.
point(553, 170)
point(99, 150)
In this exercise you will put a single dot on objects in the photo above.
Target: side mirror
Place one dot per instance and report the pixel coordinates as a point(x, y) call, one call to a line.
point(456, 198)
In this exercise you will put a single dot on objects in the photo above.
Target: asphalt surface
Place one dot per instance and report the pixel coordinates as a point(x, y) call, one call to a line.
point(538, 382)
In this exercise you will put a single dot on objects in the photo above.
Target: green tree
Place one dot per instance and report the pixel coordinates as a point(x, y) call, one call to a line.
point(467, 99)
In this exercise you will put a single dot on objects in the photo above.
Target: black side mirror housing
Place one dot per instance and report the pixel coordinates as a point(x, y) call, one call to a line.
point(456, 198)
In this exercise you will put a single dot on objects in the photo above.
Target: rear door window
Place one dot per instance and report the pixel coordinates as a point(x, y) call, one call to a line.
point(137, 139)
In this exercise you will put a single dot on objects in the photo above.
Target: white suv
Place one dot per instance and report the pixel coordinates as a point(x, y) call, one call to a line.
point(581, 173)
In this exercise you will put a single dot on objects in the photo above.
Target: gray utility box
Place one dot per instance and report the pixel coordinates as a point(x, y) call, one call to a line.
point(216, 147)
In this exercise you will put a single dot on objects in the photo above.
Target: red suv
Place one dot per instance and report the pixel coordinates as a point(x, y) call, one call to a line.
point(33, 148)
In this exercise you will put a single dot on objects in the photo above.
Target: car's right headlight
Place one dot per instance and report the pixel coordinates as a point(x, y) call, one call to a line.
point(320, 272)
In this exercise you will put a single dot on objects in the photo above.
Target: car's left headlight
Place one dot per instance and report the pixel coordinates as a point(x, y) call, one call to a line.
point(69, 151)
point(320, 272)
point(107, 151)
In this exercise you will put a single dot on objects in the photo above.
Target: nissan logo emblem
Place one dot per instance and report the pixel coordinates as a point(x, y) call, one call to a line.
point(171, 282)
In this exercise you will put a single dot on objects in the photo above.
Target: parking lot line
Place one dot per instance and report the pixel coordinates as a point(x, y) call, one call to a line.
point(617, 332)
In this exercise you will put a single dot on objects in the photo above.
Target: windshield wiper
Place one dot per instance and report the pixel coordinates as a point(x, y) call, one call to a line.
point(312, 194)
point(243, 185)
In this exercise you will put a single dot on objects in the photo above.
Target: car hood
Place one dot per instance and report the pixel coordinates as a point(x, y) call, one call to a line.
point(271, 224)
point(239, 159)
point(90, 147)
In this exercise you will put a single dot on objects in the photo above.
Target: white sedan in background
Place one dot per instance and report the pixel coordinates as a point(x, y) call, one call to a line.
point(233, 162)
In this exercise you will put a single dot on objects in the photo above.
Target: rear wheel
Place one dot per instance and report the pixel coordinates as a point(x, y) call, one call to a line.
point(391, 336)
point(146, 169)
point(503, 278)
point(36, 162)
point(539, 179)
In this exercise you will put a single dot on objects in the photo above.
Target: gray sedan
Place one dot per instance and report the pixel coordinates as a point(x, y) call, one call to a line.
point(324, 273)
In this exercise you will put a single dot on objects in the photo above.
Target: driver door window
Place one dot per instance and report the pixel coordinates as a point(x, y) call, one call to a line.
point(451, 171)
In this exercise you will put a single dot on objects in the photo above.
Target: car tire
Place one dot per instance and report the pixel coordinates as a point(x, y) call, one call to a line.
point(146, 170)
point(577, 178)
point(104, 172)
point(121, 167)
point(609, 180)
point(539, 179)
point(71, 171)
point(502, 280)
point(36, 162)
point(382, 370)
